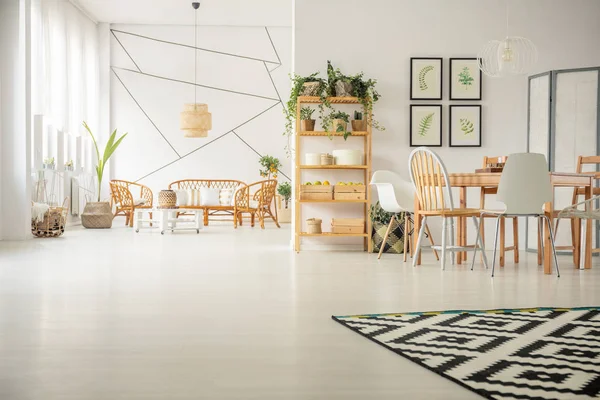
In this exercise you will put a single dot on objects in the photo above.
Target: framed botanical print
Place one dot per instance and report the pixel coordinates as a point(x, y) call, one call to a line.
point(465, 79)
point(465, 126)
point(426, 125)
point(426, 78)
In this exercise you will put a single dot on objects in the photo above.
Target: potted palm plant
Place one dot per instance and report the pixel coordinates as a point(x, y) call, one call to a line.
point(284, 212)
point(98, 214)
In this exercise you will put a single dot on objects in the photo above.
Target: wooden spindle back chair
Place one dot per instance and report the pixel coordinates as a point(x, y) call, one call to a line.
point(256, 199)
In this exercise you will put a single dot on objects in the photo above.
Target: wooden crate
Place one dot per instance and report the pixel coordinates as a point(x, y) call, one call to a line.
point(347, 225)
point(350, 192)
point(316, 192)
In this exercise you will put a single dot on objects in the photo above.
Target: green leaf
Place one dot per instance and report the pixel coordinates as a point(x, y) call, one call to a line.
point(108, 152)
point(466, 126)
point(109, 144)
point(425, 124)
point(422, 75)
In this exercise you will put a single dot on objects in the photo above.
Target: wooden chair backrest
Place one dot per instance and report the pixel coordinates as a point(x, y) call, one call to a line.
point(207, 183)
point(264, 194)
point(430, 179)
point(491, 161)
point(587, 160)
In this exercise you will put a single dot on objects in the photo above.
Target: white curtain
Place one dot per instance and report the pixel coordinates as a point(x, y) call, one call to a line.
point(65, 66)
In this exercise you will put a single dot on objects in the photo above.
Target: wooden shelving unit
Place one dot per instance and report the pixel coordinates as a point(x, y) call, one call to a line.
point(364, 204)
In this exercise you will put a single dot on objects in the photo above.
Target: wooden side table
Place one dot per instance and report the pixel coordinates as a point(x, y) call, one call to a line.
point(167, 219)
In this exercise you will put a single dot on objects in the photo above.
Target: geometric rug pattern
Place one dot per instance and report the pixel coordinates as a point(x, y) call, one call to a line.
point(540, 353)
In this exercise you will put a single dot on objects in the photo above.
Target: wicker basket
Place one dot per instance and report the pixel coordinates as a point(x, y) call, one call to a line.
point(310, 89)
point(167, 199)
point(314, 225)
point(97, 215)
point(54, 222)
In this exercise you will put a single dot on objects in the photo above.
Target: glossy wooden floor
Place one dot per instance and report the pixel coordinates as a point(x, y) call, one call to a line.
point(111, 315)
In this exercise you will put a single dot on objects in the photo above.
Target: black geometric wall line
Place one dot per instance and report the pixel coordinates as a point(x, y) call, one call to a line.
point(124, 49)
point(196, 84)
point(260, 155)
point(197, 48)
point(273, 44)
point(143, 111)
point(273, 83)
point(212, 141)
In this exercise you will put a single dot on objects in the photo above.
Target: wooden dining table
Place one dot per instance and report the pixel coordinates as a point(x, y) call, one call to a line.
point(462, 181)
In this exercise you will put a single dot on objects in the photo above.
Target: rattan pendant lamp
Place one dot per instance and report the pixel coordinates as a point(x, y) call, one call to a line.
point(196, 121)
point(515, 55)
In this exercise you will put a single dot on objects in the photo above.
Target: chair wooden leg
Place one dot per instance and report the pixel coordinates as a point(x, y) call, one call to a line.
point(150, 214)
point(502, 240)
point(516, 240)
point(405, 236)
point(387, 232)
point(411, 238)
point(252, 219)
point(206, 217)
point(437, 257)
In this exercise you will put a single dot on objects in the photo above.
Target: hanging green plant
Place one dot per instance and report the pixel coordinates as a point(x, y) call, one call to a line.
point(299, 89)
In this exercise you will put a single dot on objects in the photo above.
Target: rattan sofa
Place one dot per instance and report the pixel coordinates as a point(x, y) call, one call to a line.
point(196, 184)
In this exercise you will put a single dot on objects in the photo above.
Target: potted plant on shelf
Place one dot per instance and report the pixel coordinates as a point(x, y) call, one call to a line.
point(69, 165)
point(284, 212)
point(310, 85)
point(380, 220)
point(49, 163)
point(364, 90)
point(358, 123)
point(99, 214)
point(306, 121)
point(270, 166)
point(337, 121)
point(339, 85)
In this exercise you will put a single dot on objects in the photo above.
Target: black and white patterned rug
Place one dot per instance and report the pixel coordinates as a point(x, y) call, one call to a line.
point(541, 353)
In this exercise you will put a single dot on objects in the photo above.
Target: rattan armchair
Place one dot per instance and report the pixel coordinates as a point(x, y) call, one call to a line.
point(127, 197)
point(257, 204)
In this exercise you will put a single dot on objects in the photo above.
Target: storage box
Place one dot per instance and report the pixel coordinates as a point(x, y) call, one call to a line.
point(347, 225)
point(316, 192)
point(348, 157)
point(350, 192)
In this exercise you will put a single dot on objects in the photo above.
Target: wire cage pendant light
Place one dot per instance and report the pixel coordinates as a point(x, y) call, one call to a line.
point(195, 120)
point(515, 55)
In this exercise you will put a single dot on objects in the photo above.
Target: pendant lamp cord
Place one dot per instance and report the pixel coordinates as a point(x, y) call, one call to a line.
point(195, 57)
point(507, 12)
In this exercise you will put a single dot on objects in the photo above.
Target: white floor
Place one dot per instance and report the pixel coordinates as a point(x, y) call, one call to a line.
point(111, 315)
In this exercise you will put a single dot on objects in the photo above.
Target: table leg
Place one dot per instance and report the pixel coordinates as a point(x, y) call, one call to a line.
point(548, 257)
point(578, 236)
point(588, 230)
point(417, 221)
point(138, 220)
point(164, 221)
point(462, 256)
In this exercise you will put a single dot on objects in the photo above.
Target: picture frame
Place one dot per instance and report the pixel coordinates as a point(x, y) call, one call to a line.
point(465, 125)
point(426, 78)
point(426, 125)
point(466, 79)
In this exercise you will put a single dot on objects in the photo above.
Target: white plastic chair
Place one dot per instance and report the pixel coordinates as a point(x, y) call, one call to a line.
point(524, 188)
point(430, 179)
point(396, 196)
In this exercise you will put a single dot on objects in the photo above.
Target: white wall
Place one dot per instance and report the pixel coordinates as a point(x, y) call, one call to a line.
point(380, 36)
point(147, 104)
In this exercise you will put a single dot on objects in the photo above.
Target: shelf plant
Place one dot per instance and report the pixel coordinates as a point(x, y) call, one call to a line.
point(285, 191)
point(337, 121)
point(49, 163)
point(358, 123)
point(307, 123)
point(338, 84)
point(311, 85)
point(270, 166)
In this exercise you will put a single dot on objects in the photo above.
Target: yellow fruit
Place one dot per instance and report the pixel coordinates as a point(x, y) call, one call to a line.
point(326, 183)
point(308, 183)
point(318, 183)
point(342, 183)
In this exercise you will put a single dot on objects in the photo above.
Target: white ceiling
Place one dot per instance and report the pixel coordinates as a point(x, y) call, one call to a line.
point(180, 12)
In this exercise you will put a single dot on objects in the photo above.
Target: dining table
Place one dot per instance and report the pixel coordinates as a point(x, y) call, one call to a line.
point(463, 181)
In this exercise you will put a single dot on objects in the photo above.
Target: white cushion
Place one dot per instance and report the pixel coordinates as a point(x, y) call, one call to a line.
point(139, 202)
point(253, 203)
point(209, 196)
point(193, 197)
point(182, 198)
point(225, 197)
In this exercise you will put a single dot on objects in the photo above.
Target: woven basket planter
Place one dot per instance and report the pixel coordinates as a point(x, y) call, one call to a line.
point(395, 240)
point(314, 225)
point(343, 89)
point(97, 215)
point(167, 199)
point(53, 224)
point(307, 125)
point(310, 89)
point(359, 125)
